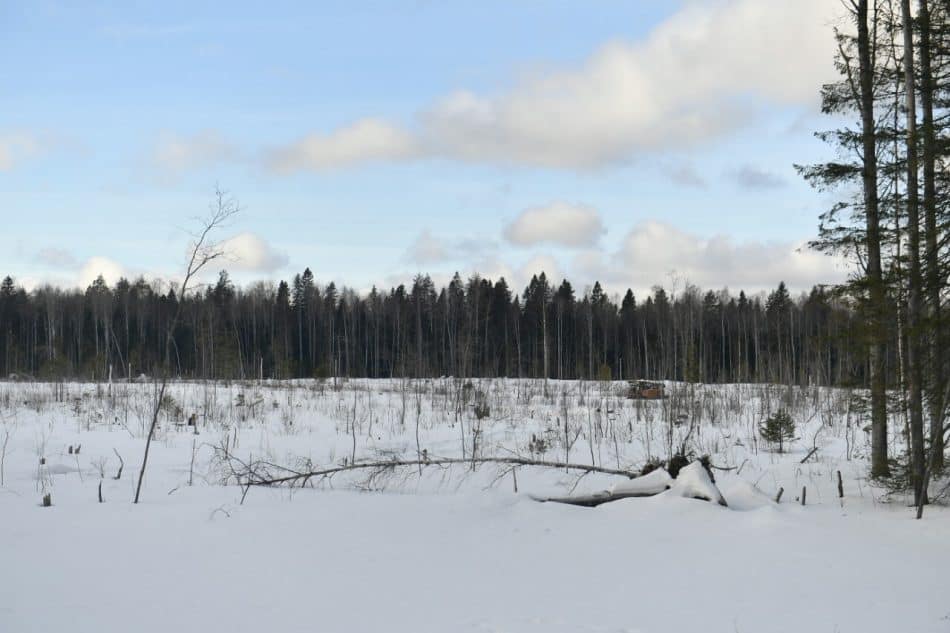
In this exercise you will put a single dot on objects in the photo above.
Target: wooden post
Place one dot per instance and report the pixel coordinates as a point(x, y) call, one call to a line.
point(803, 494)
point(840, 487)
point(191, 469)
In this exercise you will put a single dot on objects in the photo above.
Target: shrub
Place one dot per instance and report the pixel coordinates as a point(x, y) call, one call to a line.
point(538, 445)
point(778, 429)
point(482, 410)
point(171, 408)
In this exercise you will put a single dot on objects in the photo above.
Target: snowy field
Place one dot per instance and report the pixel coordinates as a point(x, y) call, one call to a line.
point(453, 548)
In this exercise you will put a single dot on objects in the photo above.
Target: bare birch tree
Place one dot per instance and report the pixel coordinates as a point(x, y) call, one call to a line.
point(202, 252)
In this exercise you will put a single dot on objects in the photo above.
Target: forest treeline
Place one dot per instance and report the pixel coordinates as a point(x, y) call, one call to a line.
point(474, 327)
point(886, 329)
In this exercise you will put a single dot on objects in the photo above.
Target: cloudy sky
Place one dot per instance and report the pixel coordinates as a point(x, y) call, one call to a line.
point(635, 142)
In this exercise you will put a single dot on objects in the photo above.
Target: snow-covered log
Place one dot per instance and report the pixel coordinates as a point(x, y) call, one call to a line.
point(692, 481)
point(648, 485)
point(654, 482)
point(695, 483)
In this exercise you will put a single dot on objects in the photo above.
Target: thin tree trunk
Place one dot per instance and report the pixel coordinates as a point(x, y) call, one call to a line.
point(879, 465)
point(936, 341)
point(914, 373)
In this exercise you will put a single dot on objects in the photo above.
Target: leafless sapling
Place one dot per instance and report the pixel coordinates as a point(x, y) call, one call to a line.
point(203, 251)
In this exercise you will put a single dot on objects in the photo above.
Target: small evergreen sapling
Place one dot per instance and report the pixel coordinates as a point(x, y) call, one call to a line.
point(778, 428)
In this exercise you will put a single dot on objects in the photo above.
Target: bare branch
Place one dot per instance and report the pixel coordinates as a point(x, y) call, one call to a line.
point(261, 473)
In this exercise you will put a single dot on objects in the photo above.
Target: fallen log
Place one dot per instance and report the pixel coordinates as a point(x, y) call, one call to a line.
point(593, 500)
point(653, 483)
point(692, 482)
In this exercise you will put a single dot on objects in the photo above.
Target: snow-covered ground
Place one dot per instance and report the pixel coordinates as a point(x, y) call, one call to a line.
point(453, 549)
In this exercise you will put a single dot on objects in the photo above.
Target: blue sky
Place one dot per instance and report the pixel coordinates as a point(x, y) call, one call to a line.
point(615, 140)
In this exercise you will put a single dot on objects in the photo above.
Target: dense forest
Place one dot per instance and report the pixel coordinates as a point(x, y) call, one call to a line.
point(468, 328)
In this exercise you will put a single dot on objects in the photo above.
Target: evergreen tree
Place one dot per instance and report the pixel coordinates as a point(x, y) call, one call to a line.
point(778, 429)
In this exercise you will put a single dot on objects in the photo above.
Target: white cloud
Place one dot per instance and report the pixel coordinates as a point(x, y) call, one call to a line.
point(571, 225)
point(751, 177)
point(493, 267)
point(56, 258)
point(517, 275)
point(110, 270)
point(248, 252)
point(653, 250)
point(62, 269)
point(535, 266)
point(363, 141)
point(245, 255)
point(174, 154)
point(685, 175)
point(32, 282)
point(426, 249)
point(690, 80)
point(651, 253)
point(16, 147)
point(657, 253)
point(700, 74)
